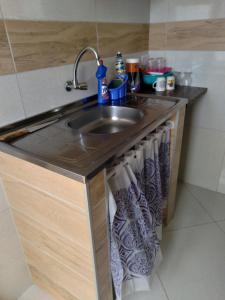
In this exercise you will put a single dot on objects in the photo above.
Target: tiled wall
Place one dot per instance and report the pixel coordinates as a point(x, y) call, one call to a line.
point(40, 39)
point(192, 37)
point(38, 43)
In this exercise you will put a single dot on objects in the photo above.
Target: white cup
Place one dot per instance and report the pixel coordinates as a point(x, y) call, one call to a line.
point(160, 84)
point(170, 83)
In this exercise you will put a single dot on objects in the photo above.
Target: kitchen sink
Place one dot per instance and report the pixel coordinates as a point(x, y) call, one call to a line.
point(106, 119)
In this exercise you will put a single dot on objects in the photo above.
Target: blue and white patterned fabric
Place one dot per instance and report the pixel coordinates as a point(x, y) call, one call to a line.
point(137, 194)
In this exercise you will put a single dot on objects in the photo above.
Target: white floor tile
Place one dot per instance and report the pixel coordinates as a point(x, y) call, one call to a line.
point(213, 202)
point(157, 293)
point(10, 250)
point(35, 293)
point(14, 280)
point(194, 263)
point(221, 185)
point(3, 202)
point(188, 211)
point(7, 226)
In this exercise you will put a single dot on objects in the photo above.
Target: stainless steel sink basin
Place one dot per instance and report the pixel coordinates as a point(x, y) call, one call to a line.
point(106, 119)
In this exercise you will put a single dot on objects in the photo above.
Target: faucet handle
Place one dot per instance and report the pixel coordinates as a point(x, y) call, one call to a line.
point(69, 86)
point(82, 86)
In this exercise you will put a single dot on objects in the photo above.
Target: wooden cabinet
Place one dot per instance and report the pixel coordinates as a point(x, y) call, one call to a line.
point(64, 235)
point(63, 224)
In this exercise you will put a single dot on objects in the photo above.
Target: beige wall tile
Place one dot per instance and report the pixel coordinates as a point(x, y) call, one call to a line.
point(200, 35)
point(126, 38)
point(43, 44)
point(157, 36)
point(6, 63)
point(196, 35)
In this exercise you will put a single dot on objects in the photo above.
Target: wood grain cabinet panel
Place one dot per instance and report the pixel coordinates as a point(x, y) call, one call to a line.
point(99, 220)
point(56, 185)
point(70, 254)
point(48, 212)
point(57, 291)
point(54, 230)
point(176, 143)
point(59, 274)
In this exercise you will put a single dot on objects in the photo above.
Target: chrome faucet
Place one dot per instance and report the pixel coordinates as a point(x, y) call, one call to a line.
point(74, 84)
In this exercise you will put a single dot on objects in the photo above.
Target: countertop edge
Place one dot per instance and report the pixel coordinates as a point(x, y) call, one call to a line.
point(188, 93)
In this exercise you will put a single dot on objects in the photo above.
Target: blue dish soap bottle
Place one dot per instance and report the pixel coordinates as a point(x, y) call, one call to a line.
point(103, 93)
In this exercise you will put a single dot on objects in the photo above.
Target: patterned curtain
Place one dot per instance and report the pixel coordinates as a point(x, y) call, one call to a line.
point(137, 193)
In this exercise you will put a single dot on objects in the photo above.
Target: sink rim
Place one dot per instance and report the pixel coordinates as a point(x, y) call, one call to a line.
point(110, 115)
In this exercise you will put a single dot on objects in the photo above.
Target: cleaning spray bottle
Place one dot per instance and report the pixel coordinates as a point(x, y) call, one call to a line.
point(103, 93)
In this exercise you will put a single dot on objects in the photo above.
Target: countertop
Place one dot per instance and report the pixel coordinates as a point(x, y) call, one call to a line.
point(80, 156)
point(188, 93)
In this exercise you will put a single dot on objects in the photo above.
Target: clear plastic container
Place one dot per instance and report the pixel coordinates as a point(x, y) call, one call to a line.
point(183, 78)
point(160, 64)
point(152, 64)
point(187, 78)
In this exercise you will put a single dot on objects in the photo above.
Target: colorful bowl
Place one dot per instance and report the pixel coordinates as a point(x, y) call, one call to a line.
point(150, 79)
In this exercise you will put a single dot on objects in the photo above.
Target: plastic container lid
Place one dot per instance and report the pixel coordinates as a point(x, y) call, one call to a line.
point(132, 60)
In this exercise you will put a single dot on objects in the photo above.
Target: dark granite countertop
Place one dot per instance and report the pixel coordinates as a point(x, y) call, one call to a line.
point(188, 93)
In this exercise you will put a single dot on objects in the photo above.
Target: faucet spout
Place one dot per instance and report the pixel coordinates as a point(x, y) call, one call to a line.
point(74, 84)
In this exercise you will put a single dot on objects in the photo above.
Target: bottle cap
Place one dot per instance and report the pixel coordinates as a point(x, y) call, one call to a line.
point(132, 60)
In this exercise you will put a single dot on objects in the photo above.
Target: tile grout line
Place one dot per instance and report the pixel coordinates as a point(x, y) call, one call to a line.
point(190, 226)
point(8, 38)
point(219, 176)
point(96, 29)
point(13, 62)
point(220, 227)
point(214, 221)
point(197, 225)
point(202, 206)
point(164, 288)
